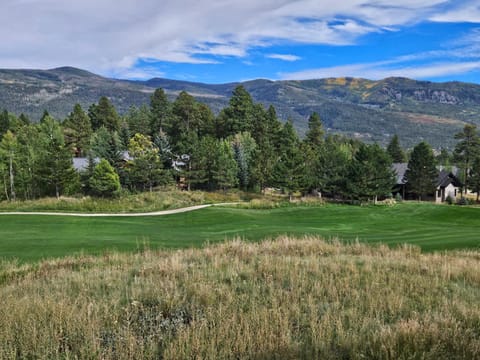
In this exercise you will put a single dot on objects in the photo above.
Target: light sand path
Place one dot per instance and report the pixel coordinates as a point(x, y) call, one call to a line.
point(154, 213)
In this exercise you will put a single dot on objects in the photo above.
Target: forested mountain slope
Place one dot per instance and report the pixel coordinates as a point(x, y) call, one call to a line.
point(369, 110)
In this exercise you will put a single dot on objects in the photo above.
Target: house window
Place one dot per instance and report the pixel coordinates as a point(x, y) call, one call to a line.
point(439, 193)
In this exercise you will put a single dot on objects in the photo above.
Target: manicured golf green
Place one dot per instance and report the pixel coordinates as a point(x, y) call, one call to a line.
point(432, 227)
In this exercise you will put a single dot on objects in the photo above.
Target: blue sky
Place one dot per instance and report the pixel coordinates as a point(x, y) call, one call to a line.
point(219, 41)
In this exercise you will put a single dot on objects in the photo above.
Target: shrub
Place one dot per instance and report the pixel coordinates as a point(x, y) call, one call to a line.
point(464, 201)
point(398, 197)
point(105, 181)
point(449, 200)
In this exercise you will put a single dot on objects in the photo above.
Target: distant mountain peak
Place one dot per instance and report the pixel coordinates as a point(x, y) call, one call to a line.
point(370, 110)
point(72, 71)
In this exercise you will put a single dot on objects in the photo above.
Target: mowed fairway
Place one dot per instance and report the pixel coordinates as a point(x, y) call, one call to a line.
point(432, 227)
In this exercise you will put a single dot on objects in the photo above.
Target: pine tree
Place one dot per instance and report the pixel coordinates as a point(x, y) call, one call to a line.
point(23, 119)
point(4, 122)
point(466, 150)
point(311, 148)
point(105, 181)
point(56, 169)
point(45, 116)
point(315, 133)
point(225, 169)
point(31, 152)
point(370, 173)
point(395, 150)
point(333, 165)
point(474, 175)
point(266, 133)
point(244, 149)
point(239, 115)
point(421, 175)
point(8, 157)
point(287, 174)
point(78, 130)
point(160, 112)
point(198, 162)
point(444, 158)
point(185, 123)
point(124, 135)
point(164, 149)
point(138, 120)
point(107, 145)
point(104, 114)
point(146, 168)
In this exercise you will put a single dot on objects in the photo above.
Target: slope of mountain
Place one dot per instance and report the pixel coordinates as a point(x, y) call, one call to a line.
point(369, 110)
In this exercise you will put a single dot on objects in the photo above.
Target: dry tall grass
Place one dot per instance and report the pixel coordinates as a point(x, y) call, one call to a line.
point(283, 299)
point(142, 202)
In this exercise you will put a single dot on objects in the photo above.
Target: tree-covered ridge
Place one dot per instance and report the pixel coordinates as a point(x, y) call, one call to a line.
point(184, 142)
point(372, 111)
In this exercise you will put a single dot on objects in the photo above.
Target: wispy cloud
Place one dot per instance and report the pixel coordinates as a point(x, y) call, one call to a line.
point(110, 36)
point(464, 12)
point(284, 57)
point(377, 70)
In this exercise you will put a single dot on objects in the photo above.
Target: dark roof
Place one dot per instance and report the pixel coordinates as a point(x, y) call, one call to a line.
point(445, 177)
point(81, 163)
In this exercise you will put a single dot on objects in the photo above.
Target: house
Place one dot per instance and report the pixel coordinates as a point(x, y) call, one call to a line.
point(81, 163)
point(448, 183)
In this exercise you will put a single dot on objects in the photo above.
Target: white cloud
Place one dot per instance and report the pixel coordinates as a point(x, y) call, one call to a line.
point(378, 70)
point(465, 12)
point(110, 36)
point(284, 57)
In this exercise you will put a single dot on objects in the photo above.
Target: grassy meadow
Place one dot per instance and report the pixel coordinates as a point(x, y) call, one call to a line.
point(292, 298)
point(142, 202)
point(431, 227)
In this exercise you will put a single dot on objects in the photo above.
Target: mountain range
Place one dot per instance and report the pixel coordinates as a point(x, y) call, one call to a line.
point(360, 108)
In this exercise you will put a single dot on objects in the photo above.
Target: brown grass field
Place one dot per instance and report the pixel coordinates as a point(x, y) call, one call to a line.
point(283, 299)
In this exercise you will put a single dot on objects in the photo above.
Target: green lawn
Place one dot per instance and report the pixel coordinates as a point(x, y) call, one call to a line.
point(432, 227)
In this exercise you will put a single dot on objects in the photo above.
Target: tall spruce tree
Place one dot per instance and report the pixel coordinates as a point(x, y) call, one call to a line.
point(56, 170)
point(78, 130)
point(395, 150)
point(105, 181)
point(104, 114)
point(333, 164)
point(23, 119)
point(315, 134)
point(239, 115)
point(474, 174)
point(287, 173)
point(145, 168)
point(185, 123)
point(138, 120)
point(4, 122)
point(466, 150)
point(244, 149)
point(421, 175)
point(311, 149)
point(107, 145)
point(266, 133)
point(31, 152)
point(44, 116)
point(9, 157)
point(370, 173)
point(160, 112)
point(225, 168)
